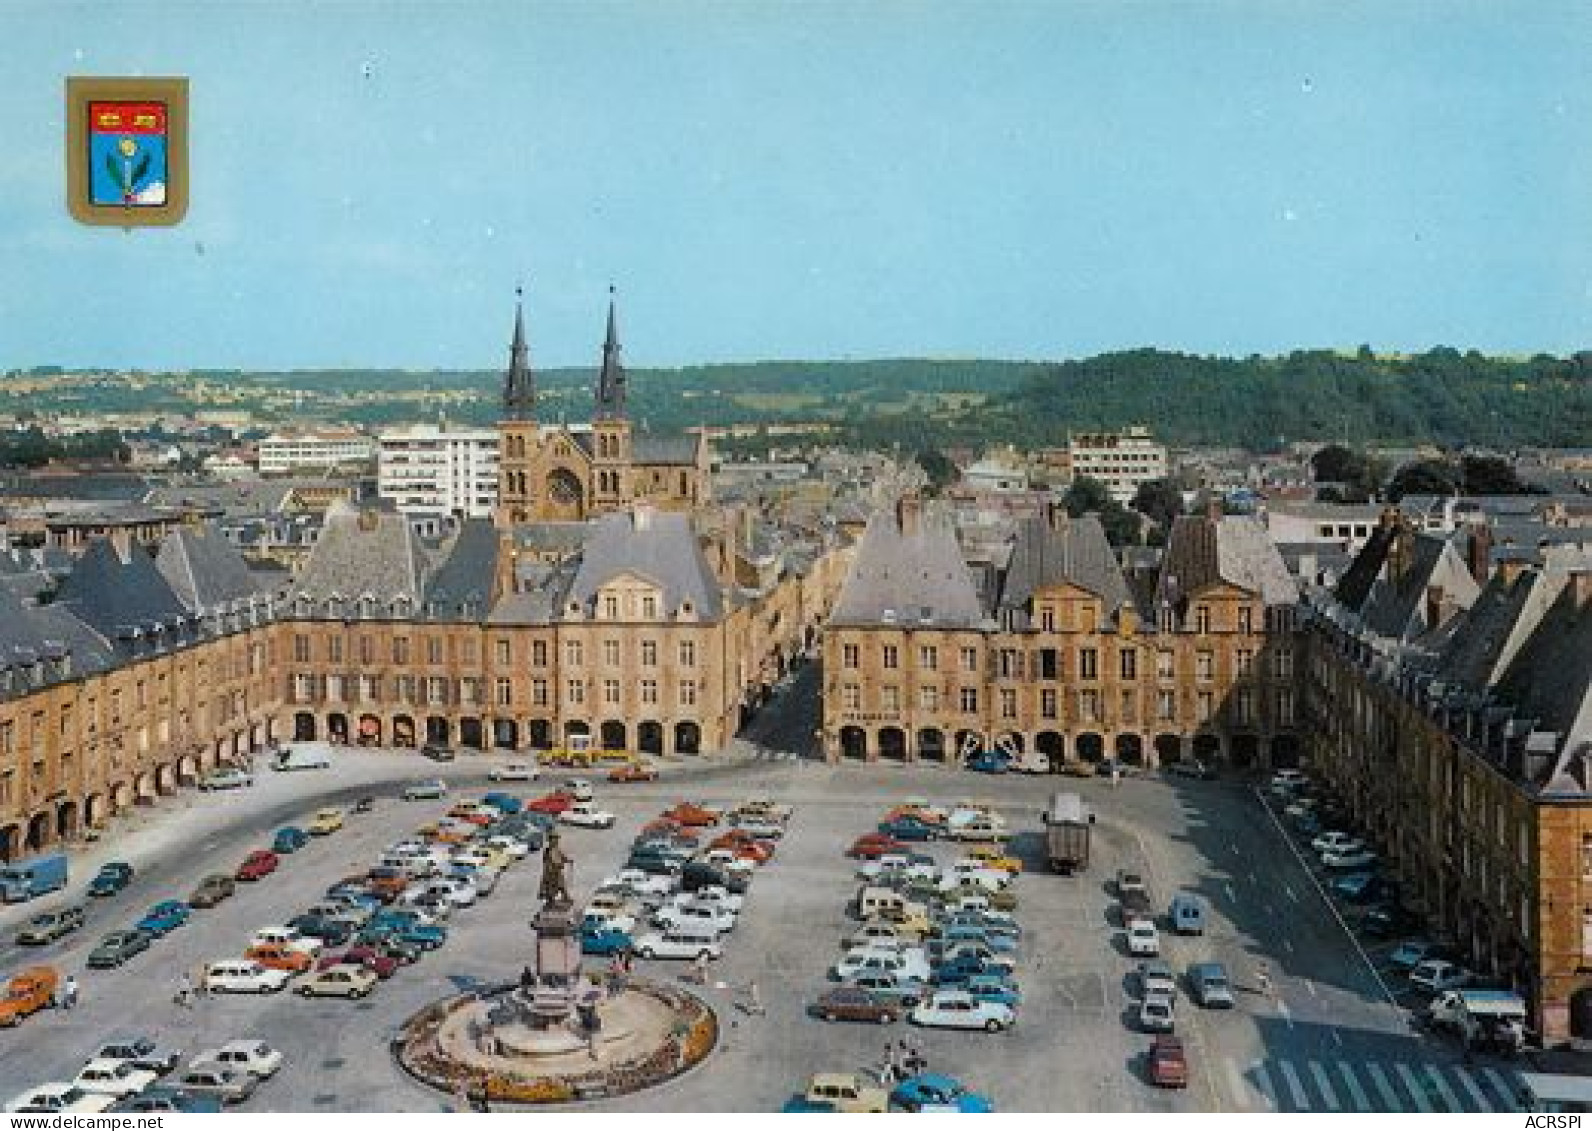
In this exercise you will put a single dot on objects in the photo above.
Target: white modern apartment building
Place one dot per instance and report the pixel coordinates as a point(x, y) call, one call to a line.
point(324, 450)
point(432, 470)
point(1120, 460)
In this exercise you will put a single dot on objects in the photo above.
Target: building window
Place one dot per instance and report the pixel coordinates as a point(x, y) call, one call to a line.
point(1285, 707)
point(1008, 703)
point(1165, 665)
point(1166, 705)
point(301, 649)
point(436, 689)
point(1245, 615)
point(576, 692)
point(649, 653)
point(367, 650)
point(848, 656)
point(969, 700)
point(889, 698)
point(1046, 661)
point(851, 697)
point(1202, 618)
point(539, 653)
point(688, 653)
point(1047, 703)
point(1089, 705)
point(400, 649)
point(370, 688)
point(688, 693)
point(649, 607)
point(539, 696)
point(929, 658)
point(505, 652)
point(1246, 707)
point(433, 650)
point(1088, 663)
point(1205, 665)
point(1047, 618)
point(574, 654)
point(611, 653)
point(334, 649)
point(303, 692)
point(1283, 663)
point(1010, 663)
point(1586, 932)
point(1130, 663)
point(611, 692)
point(610, 607)
point(505, 692)
point(1207, 704)
point(1586, 854)
point(929, 698)
point(970, 659)
point(649, 691)
point(891, 656)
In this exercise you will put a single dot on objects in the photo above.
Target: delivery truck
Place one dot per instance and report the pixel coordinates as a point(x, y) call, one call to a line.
point(1067, 824)
point(27, 879)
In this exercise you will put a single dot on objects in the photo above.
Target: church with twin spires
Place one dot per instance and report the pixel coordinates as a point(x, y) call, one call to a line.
point(560, 473)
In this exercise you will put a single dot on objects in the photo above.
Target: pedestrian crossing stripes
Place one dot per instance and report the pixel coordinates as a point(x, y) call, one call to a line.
point(1367, 1086)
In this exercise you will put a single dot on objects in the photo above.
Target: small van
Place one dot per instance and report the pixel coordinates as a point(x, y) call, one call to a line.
point(886, 903)
point(304, 756)
point(1187, 914)
point(27, 993)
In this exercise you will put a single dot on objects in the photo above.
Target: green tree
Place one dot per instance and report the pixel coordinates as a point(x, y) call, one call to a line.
point(1087, 495)
point(1160, 501)
point(1491, 475)
point(938, 467)
point(1423, 477)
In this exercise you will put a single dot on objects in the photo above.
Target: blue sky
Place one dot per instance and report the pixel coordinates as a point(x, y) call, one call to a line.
point(1021, 180)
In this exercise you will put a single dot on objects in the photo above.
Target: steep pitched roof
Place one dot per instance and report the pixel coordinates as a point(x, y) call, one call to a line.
point(657, 545)
point(678, 451)
point(204, 569)
point(1236, 550)
point(364, 551)
point(33, 632)
point(111, 593)
point(462, 585)
point(1550, 681)
point(1074, 552)
point(909, 576)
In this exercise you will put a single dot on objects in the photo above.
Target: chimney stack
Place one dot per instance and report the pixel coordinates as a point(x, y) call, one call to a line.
point(909, 513)
point(1479, 551)
point(1580, 586)
point(1056, 516)
point(1436, 609)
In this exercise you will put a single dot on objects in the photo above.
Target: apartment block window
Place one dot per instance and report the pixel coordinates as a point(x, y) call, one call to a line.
point(1047, 618)
point(575, 692)
point(505, 692)
point(1245, 619)
point(688, 654)
point(848, 656)
point(404, 688)
point(610, 607)
point(400, 649)
point(1285, 707)
point(1047, 703)
point(301, 649)
point(1088, 663)
point(1283, 662)
point(1048, 663)
point(611, 653)
point(574, 654)
point(649, 608)
point(370, 689)
point(1243, 661)
point(539, 697)
point(649, 653)
point(688, 692)
point(1165, 665)
point(889, 698)
point(929, 698)
point(436, 689)
point(1130, 663)
point(471, 690)
point(367, 650)
point(467, 651)
point(1202, 618)
point(1008, 703)
point(970, 659)
point(505, 652)
point(929, 658)
point(851, 697)
point(1129, 706)
point(1205, 665)
point(539, 653)
point(1245, 706)
point(1586, 855)
point(303, 692)
point(891, 656)
point(1089, 705)
point(649, 691)
point(1207, 706)
point(1166, 705)
point(1586, 932)
point(1011, 663)
point(611, 692)
point(433, 650)
point(334, 649)
point(969, 700)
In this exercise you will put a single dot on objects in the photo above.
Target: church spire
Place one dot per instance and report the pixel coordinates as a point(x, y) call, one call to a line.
point(611, 379)
point(519, 387)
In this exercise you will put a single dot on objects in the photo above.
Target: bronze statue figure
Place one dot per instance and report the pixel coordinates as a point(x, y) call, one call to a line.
point(555, 874)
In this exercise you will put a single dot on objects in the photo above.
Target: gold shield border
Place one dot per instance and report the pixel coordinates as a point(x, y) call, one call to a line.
point(80, 91)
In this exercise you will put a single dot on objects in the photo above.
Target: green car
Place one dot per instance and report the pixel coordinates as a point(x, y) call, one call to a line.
point(116, 948)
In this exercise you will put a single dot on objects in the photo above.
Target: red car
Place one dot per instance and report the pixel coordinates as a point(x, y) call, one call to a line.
point(257, 865)
point(632, 773)
point(745, 846)
point(379, 964)
point(694, 816)
point(1168, 1064)
point(874, 845)
point(552, 803)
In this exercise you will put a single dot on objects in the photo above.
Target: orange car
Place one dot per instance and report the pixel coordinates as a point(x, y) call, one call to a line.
point(632, 773)
point(744, 846)
point(471, 814)
point(274, 956)
point(695, 815)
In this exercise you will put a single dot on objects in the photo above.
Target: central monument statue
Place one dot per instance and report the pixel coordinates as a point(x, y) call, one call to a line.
point(554, 892)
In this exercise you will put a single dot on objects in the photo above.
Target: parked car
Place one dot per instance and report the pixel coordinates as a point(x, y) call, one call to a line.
point(892, 986)
point(1349, 861)
point(437, 752)
point(1155, 976)
point(632, 772)
point(909, 829)
point(1411, 953)
point(1336, 840)
point(257, 865)
point(1144, 939)
point(162, 919)
point(378, 962)
point(58, 1099)
point(514, 771)
point(1156, 1014)
point(111, 878)
point(933, 1092)
point(242, 976)
point(226, 778)
point(1192, 768)
point(212, 890)
point(342, 980)
point(993, 987)
point(218, 1083)
point(289, 936)
point(605, 940)
point(326, 821)
point(289, 839)
point(170, 1101)
point(957, 1009)
point(1210, 985)
point(256, 1058)
point(1388, 920)
point(116, 948)
point(692, 815)
point(49, 926)
point(1435, 975)
point(587, 816)
point(1168, 1063)
point(140, 1052)
point(114, 1078)
point(853, 1003)
point(429, 789)
point(1288, 779)
point(669, 944)
point(844, 1092)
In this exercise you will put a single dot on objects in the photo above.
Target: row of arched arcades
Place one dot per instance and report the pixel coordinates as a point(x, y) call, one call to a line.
point(63, 820)
point(472, 732)
point(930, 744)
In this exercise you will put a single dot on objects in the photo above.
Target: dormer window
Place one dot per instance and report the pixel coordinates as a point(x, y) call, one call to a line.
point(367, 607)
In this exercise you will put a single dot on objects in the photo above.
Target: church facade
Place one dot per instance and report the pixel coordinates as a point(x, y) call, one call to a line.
point(554, 473)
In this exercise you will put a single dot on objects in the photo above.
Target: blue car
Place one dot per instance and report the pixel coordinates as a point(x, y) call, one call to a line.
point(426, 936)
point(505, 803)
point(907, 828)
point(934, 1092)
point(289, 839)
point(989, 763)
point(163, 918)
point(111, 879)
point(992, 987)
point(963, 967)
point(1358, 887)
point(604, 941)
point(1000, 943)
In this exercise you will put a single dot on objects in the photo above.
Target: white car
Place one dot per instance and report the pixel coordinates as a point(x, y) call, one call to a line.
point(700, 918)
point(883, 934)
point(1438, 974)
point(990, 879)
point(511, 847)
point(642, 883)
point(670, 944)
point(597, 921)
point(429, 789)
point(909, 962)
point(243, 976)
point(761, 828)
point(1349, 861)
point(1156, 1013)
point(586, 816)
point(715, 896)
point(114, 1078)
point(1336, 841)
point(1144, 941)
point(976, 829)
point(460, 893)
point(578, 788)
point(726, 861)
point(514, 771)
point(53, 1099)
point(287, 936)
point(957, 1009)
point(1287, 779)
point(256, 1058)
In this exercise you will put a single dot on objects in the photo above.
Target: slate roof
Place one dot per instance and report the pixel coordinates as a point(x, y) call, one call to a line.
point(669, 450)
point(1074, 552)
point(32, 632)
point(204, 570)
point(112, 594)
point(461, 588)
point(909, 578)
point(1389, 580)
point(364, 551)
point(97, 488)
point(660, 546)
point(1202, 552)
point(1550, 681)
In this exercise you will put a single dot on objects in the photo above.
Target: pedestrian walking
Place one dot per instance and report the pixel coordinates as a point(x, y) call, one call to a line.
point(1263, 976)
point(69, 993)
point(754, 1003)
point(702, 969)
point(184, 996)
